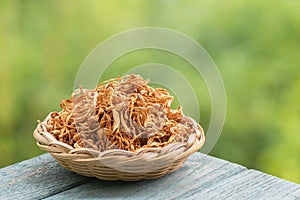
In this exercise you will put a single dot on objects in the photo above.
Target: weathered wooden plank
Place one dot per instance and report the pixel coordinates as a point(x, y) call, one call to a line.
point(249, 184)
point(201, 177)
point(36, 178)
point(198, 171)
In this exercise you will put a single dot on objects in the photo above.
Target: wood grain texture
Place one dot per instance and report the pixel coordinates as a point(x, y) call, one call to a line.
point(198, 170)
point(249, 184)
point(36, 178)
point(201, 177)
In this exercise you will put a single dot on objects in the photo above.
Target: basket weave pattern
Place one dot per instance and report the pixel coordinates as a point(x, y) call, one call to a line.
point(118, 164)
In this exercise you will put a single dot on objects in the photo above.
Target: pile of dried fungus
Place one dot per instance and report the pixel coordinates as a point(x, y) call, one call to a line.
point(123, 113)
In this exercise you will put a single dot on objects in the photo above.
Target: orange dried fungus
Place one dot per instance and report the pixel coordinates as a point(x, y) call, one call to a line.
point(123, 113)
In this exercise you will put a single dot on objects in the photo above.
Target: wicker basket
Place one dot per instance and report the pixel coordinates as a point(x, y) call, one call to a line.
point(116, 164)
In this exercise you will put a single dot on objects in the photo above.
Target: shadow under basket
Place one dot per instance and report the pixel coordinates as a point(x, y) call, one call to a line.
point(118, 164)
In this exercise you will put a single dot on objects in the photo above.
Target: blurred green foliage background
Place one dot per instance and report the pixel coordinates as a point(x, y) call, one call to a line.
point(256, 45)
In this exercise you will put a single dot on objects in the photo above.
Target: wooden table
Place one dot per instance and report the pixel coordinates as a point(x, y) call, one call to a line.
point(201, 177)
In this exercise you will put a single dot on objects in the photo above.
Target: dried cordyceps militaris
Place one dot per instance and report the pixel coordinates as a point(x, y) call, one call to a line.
point(123, 113)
